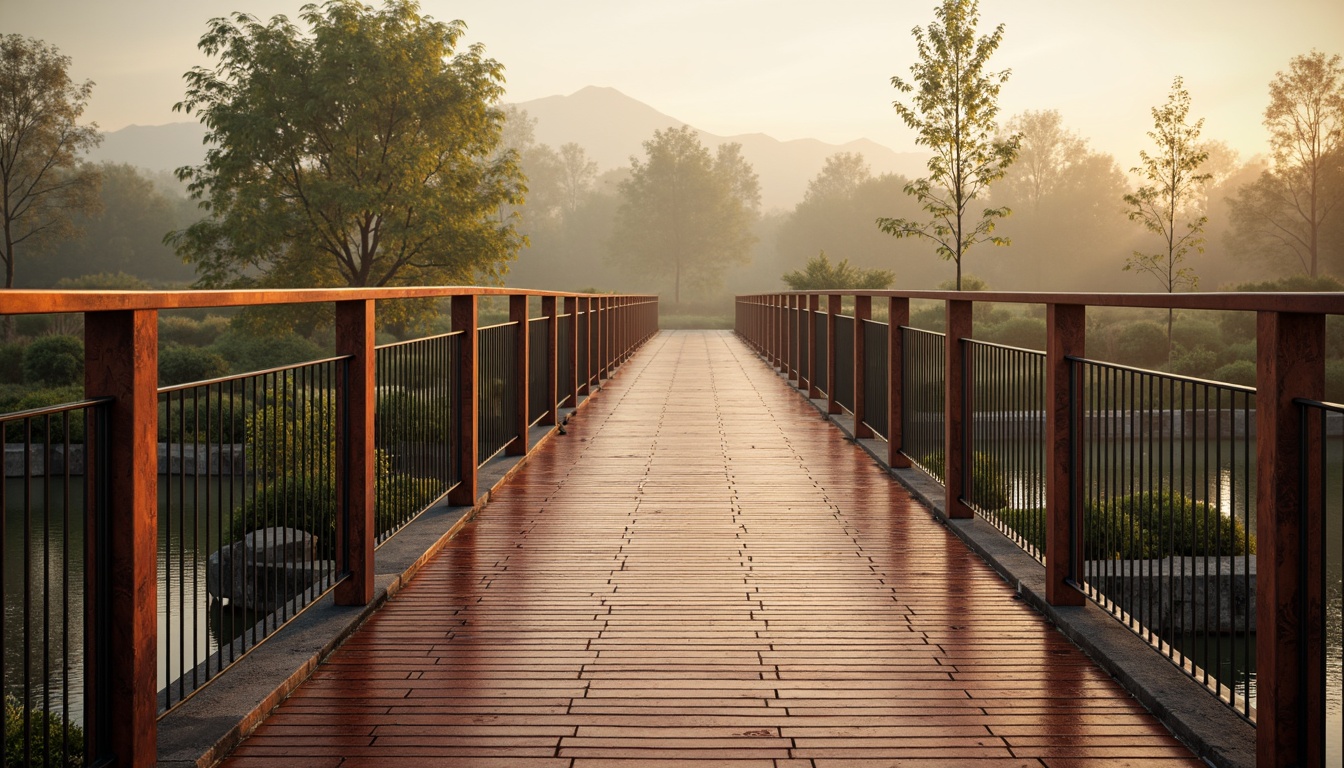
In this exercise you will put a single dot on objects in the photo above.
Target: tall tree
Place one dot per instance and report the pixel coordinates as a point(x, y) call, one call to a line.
point(1046, 150)
point(41, 139)
point(953, 112)
point(359, 152)
point(841, 175)
point(1167, 204)
point(686, 215)
point(1290, 204)
point(577, 174)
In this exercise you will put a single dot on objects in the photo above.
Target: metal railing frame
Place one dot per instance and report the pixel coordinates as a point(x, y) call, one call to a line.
point(121, 354)
point(1290, 334)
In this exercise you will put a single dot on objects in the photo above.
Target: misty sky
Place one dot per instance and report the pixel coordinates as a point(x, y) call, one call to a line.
point(780, 67)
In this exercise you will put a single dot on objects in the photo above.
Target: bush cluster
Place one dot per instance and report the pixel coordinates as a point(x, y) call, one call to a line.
point(56, 741)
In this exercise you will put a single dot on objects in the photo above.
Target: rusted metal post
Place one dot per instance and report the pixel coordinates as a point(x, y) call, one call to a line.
point(121, 362)
point(467, 406)
point(863, 311)
point(833, 303)
point(354, 461)
point(813, 306)
point(1066, 326)
point(1291, 352)
point(548, 310)
point(898, 314)
point(521, 359)
point(955, 419)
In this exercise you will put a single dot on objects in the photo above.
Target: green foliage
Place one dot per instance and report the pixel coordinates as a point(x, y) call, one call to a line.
point(212, 417)
point(1025, 332)
point(41, 181)
point(1175, 524)
point(402, 416)
point(953, 114)
point(52, 735)
point(11, 363)
point(819, 274)
point(102, 281)
point(686, 215)
point(1236, 372)
point(1141, 344)
point(54, 361)
point(1165, 205)
point(1294, 284)
point(24, 398)
point(1334, 381)
point(1199, 362)
point(177, 329)
point(989, 483)
point(1193, 333)
point(179, 364)
point(360, 151)
point(246, 352)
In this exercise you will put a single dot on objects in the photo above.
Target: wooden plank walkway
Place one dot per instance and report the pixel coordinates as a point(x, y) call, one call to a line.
point(703, 572)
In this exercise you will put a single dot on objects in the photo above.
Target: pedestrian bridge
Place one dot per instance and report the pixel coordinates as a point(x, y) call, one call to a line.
point(567, 538)
point(702, 571)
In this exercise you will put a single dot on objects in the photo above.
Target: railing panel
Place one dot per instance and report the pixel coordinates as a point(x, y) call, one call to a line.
point(51, 524)
point(819, 354)
point(413, 428)
point(498, 396)
point(1167, 511)
point(875, 375)
point(924, 415)
point(1007, 413)
point(1322, 497)
point(844, 362)
point(564, 362)
point(248, 514)
point(538, 341)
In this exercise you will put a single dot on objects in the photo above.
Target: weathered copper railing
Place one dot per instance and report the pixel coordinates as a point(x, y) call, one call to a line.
point(1290, 338)
point(121, 373)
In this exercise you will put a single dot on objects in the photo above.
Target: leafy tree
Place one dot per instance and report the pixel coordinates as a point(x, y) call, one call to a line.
point(820, 275)
point(577, 174)
point(360, 152)
point(1046, 151)
point(1166, 204)
point(41, 185)
point(686, 215)
point(953, 111)
point(840, 177)
point(1288, 208)
point(124, 236)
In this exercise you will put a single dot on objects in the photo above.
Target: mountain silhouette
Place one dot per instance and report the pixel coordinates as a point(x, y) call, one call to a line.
point(610, 126)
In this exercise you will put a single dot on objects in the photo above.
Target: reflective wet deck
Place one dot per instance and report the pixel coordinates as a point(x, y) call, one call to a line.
point(702, 571)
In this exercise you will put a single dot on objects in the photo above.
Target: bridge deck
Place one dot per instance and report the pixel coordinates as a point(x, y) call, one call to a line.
point(703, 571)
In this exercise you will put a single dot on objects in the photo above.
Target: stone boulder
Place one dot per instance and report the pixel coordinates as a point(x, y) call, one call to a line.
point(265, 569)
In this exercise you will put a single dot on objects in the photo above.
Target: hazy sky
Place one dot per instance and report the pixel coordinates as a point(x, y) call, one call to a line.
point(781, 67)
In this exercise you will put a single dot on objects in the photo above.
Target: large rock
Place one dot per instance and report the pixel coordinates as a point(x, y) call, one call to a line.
point(265, 569)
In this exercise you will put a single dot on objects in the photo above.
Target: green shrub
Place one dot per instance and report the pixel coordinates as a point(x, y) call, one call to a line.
point(1199, 362)
point(989, 483)
point(929, 319)
point(178, 329)
point(1233, 352)
point(1142, 344)
point(1237, 372)
point(246, 353)
point(51, 732)
point(404, 416)
point(11, 363)
point(1193, 333)
point(204, 417)
point(1025, 332)
point(23, 400)
point(54, 361)
point(180, 364)
point(1177, 525)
